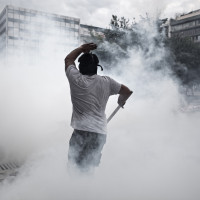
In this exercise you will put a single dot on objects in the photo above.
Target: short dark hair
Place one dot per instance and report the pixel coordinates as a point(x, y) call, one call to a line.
point(88, 64)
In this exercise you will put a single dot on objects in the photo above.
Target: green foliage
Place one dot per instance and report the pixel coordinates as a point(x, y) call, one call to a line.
point(183, 58)
point(119, 24)
point(118, 39)
point(187, 59)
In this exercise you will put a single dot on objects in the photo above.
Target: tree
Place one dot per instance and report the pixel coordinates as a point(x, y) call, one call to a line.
point(187, 59)
point(118, 39)
point(184, 54)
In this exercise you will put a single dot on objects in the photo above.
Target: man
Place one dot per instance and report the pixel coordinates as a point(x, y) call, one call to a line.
point(89, 95)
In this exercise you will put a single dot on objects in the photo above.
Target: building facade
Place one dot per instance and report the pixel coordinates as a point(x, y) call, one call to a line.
point(22, 29)
point(25, 29)
point(187, 25)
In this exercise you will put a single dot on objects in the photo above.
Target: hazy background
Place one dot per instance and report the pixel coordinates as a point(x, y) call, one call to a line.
point(152, 149)
point(98, 13)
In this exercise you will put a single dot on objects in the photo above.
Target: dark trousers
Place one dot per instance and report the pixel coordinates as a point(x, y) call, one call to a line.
point(85, 149)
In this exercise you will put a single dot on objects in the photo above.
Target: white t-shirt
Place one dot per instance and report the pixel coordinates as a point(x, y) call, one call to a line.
point(89, 95)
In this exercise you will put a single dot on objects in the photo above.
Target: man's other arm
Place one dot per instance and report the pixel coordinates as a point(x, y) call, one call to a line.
point(124, 94)
point(71, 57)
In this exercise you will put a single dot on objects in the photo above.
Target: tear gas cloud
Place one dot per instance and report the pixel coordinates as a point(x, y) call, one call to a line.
point(98, 13)
point(152, 149)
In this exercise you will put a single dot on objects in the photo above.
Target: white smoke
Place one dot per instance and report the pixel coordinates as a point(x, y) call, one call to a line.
point(152, 149)
point(98, 13)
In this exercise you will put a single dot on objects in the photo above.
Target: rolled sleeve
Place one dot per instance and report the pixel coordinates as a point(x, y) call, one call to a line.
point(114, 87)
point(72, 73)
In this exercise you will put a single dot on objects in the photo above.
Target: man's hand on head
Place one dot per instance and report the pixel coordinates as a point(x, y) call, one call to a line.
point(72, 56)
point(86, 48)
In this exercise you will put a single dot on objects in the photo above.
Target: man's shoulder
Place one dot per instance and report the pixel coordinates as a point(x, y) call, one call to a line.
point(73, 74)
point(106, 78)
point(71, 70)
point(103, 77)
point(70, 67)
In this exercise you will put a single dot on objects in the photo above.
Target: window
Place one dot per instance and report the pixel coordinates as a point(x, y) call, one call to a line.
point(192, 23)
point(16, 25)
point(198, 22)
point(188, 24)
point(27, 18)
point(67, 25)
point(72, 24)
point(22, 26)
point(177, 27)
point(16, 16)
point(77, 26)
point(10, 15)
point(62, 23)
point(27, 26)
point(22, 17)
point(10, 32)
point(24, 34)
point(185, 25)
point(10, 11)
point(10, 24)
point(16, 32)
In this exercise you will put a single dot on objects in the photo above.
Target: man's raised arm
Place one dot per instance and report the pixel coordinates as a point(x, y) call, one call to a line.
point(71, 57)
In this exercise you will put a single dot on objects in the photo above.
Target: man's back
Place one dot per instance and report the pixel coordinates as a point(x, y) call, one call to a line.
point(89, 96)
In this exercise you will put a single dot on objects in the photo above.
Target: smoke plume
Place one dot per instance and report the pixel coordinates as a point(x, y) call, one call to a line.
point(152, 149)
